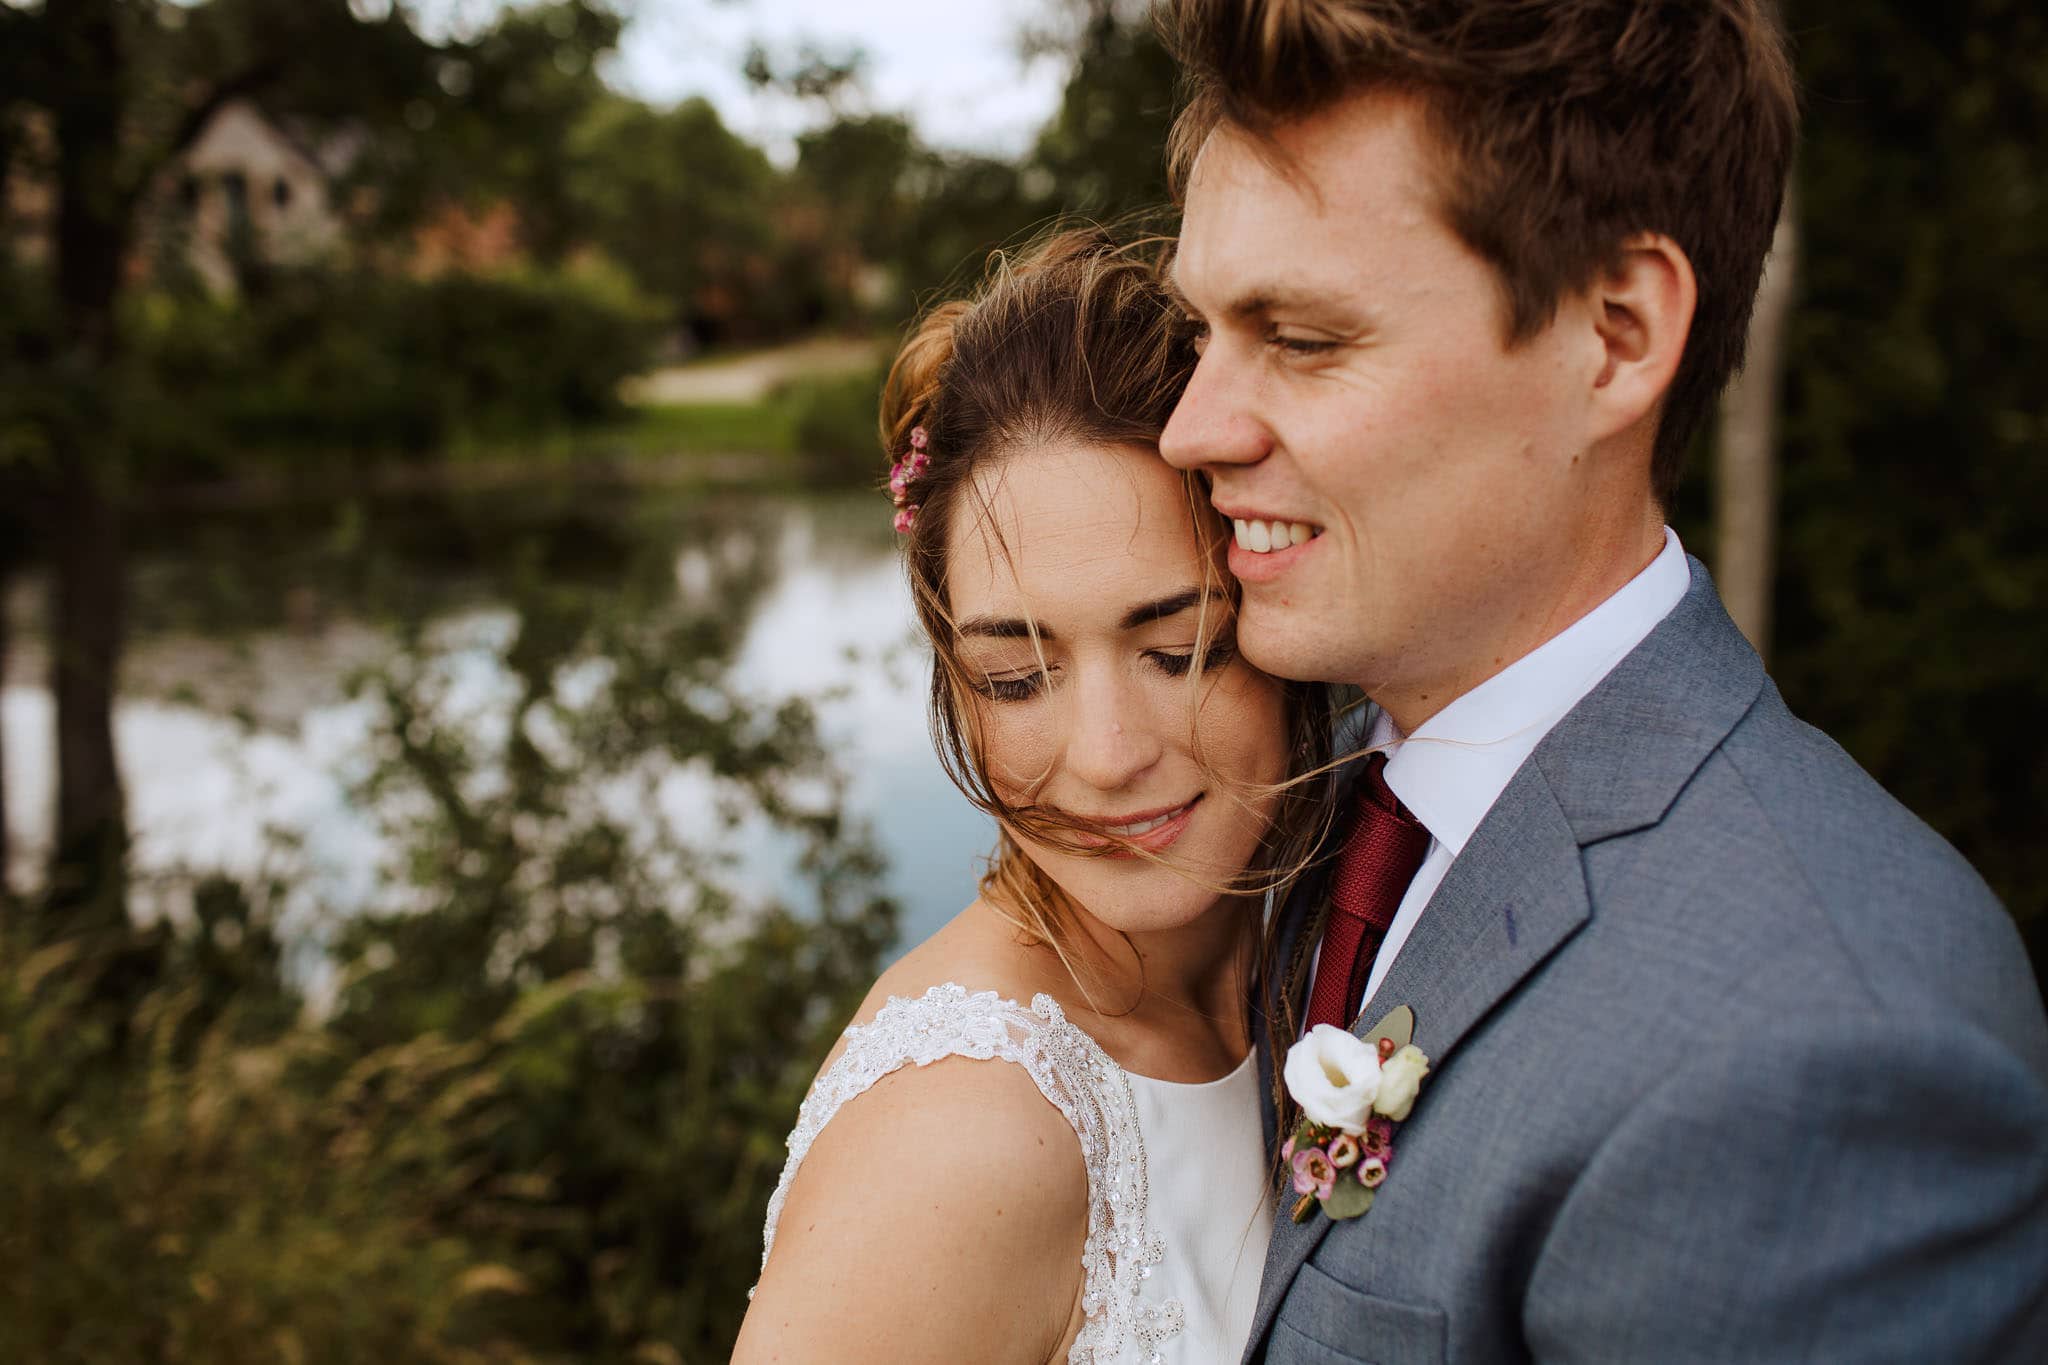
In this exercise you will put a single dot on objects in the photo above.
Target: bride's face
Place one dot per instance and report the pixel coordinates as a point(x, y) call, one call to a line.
point(1108, 716)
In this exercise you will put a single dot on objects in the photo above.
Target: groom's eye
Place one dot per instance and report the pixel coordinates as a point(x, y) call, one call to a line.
point(1197, 333)
point(1294, 344)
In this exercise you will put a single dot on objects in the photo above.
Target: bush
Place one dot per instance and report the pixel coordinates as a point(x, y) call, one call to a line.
point(834, 420)
point(346, 362)
point(544, 1116)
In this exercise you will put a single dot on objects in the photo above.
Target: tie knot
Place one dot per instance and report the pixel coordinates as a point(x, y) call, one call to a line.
point(1385, 848)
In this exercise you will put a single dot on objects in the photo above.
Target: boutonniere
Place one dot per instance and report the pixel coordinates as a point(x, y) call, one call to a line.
point(1353, 1092)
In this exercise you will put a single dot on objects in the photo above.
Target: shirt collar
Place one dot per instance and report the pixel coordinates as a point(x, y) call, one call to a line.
point(1457, 763)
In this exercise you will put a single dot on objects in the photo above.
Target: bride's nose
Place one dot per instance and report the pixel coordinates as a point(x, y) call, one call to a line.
point(1111, 740)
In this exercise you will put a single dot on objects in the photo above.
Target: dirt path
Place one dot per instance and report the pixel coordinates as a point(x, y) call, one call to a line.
point(749, 378)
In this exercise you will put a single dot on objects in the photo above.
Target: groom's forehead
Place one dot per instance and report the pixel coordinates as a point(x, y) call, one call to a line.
point(1285, 218)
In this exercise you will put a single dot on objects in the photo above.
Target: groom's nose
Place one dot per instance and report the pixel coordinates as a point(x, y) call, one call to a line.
point(1212, 424)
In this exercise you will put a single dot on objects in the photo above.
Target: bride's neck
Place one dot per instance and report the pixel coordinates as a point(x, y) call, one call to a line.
point(1197, 969)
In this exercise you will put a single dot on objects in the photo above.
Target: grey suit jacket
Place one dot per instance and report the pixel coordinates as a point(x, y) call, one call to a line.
point(1735, 1060)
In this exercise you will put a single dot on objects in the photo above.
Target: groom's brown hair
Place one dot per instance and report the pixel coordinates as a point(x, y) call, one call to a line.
point(1565, 126)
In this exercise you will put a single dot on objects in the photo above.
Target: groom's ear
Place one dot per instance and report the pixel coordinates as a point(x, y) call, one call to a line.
point(1641, 312)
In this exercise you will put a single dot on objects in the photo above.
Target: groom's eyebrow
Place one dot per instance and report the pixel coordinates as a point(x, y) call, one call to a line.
point(1258, 301)
point(1266, 300)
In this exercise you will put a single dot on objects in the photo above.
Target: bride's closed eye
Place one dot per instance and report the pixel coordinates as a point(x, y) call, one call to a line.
point(1176, 665)
point(1011, 686)
point(1025, 685)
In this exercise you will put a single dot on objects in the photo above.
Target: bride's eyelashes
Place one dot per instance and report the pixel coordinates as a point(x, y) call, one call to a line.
point(1014, 687)
point(1177, 665)
point(1174, 664)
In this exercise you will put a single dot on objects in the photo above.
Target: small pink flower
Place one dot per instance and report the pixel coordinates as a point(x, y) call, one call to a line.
point(1287, 1151)
point(905, 518)
point(918, 440)
point(1313, 1173)
point(1379, 1138)
point(1344, 1151)
point(1371, 1172)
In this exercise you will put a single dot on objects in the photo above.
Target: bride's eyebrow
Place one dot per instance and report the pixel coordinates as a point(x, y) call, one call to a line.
point(1001, 628)
point(1017, 628)
point(1160, 608)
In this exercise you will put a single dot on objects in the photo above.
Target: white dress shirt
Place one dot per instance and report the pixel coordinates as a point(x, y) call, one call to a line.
point(1456, 764)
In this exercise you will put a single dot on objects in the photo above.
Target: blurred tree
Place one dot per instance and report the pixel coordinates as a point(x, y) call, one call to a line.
point(686, 206)
point(126, 85)
point(1912, 588)
point(1746, 446)
point(811, 73)
point(868, 172)
point(502, 123)
point(1103, 152)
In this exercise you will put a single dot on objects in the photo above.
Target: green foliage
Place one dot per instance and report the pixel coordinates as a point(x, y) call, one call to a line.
point(834, 421)
point(689, 207)
point(542, 1116)
point(375, 363)
point(1104, 150)
point(1913, 580)
point(711, 428)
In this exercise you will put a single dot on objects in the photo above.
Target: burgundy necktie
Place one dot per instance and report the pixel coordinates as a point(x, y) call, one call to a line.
point(1386, 846)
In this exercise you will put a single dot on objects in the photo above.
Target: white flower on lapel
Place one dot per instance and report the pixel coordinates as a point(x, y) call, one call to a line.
point(1353, 1093)
point(1400, 1078)
point(1335, 1078)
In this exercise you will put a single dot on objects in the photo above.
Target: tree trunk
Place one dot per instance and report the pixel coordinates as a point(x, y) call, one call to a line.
point(6, 578)
point(87, 883)
point(89, 857)
point(1746, 493)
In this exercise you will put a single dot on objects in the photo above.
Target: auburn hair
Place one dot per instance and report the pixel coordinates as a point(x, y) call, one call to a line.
point(1565, 126)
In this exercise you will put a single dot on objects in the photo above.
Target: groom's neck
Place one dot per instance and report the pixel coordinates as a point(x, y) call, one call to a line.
point(1610, 554)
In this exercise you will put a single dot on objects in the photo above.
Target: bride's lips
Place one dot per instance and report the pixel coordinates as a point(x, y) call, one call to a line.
point(1172, 822)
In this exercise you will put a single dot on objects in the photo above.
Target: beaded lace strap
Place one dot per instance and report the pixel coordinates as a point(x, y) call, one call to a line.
point(1080, 1081)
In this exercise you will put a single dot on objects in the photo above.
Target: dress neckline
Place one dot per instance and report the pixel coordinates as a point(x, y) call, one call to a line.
point(1139, 1078)
point(1045, 1006)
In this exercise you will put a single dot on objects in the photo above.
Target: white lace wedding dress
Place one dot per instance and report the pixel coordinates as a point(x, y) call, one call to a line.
point(1179, 1209)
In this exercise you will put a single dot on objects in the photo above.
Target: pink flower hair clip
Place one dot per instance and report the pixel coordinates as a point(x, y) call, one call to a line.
point(906, 472)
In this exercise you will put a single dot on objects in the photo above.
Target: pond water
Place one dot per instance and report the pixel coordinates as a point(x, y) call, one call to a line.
point(235, 723)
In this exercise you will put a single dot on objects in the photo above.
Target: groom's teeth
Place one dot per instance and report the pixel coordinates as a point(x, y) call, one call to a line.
point(1263, 537)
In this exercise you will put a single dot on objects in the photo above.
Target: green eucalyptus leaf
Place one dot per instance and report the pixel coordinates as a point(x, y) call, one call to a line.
point(1348, 1200)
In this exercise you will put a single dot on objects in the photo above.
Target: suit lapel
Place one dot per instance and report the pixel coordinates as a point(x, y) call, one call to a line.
point(1518, 891)
point(1515, 894)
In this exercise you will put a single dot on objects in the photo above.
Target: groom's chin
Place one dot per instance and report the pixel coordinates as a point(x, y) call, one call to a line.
point(1284, 644)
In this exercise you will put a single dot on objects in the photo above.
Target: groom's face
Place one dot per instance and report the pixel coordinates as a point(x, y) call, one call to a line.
point(1357, 389)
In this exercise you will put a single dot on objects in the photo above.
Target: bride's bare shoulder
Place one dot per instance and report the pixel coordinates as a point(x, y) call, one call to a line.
point(938, 1211)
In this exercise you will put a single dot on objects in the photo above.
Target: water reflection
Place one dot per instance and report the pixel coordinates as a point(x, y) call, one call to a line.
point(235, 725)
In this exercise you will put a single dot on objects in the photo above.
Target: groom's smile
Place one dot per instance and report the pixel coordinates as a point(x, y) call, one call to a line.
point(1263, 547)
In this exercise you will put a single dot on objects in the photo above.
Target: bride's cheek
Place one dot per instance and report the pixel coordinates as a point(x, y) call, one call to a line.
point(1017, 752)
